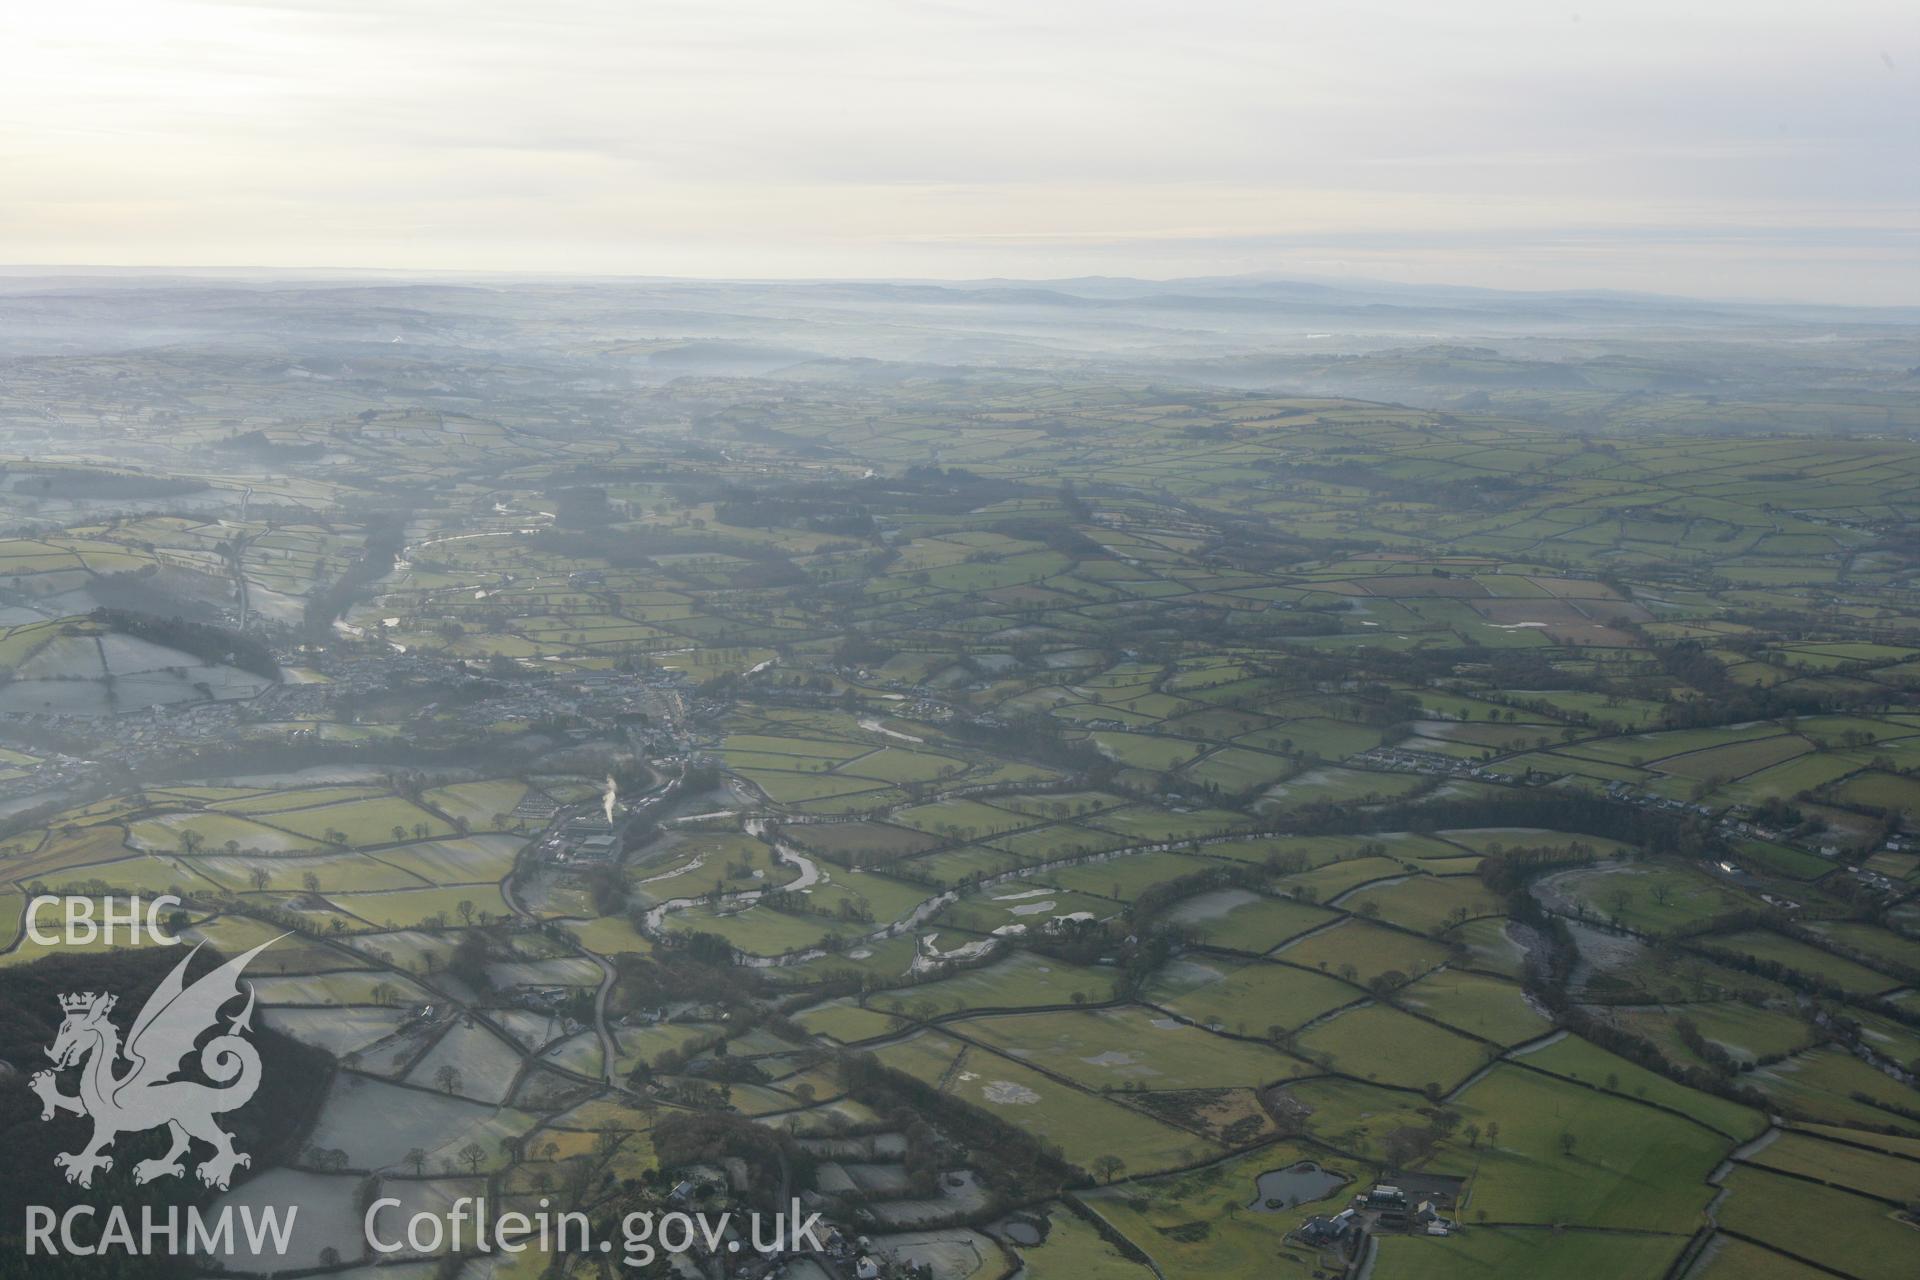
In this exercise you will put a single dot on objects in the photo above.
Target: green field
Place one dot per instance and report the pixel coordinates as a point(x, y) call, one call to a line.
point(1518, 1251)
point(1129, 1047)
point(1849, 1233)
point(1378, 1043)
point(1082, 1125)
point(1247, 996)
point(1629, 1165)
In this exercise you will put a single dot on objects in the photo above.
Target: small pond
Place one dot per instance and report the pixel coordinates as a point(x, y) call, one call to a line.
point(1296, 1184)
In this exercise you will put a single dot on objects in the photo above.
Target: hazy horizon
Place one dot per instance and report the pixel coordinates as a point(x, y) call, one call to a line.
point(1721, 150)
point(267, 273)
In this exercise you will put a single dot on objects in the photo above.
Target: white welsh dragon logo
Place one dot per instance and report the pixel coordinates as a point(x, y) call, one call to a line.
point(145, 1096)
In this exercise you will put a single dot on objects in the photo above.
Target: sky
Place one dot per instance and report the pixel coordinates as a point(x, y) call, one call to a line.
point(1720, 148)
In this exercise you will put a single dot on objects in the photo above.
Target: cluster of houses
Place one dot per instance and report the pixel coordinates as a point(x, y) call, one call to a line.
point(1432, 763)
point(1627, 793)
point(1384, 1207)
point(1874, 880)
